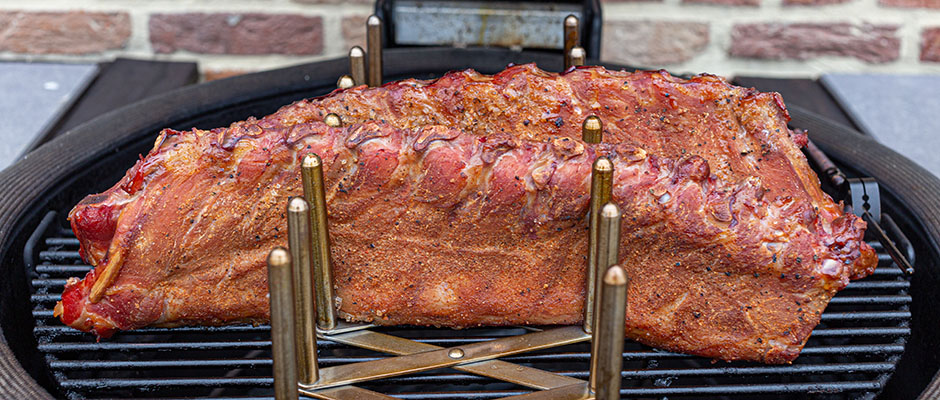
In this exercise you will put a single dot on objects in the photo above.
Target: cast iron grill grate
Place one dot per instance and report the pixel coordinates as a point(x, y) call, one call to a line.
point(851, 353)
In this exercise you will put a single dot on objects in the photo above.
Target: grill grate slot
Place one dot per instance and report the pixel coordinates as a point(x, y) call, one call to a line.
point(850, 354)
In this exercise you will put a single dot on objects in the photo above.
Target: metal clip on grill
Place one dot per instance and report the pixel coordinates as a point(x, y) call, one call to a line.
point(304, 273)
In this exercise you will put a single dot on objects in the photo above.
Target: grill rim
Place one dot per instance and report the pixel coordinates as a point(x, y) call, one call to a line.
point(27, 186)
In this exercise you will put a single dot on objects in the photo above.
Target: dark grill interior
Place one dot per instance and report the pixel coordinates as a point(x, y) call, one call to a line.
point(851, 353)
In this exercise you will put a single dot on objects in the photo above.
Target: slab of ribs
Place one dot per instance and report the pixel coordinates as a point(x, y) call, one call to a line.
point(463, 202)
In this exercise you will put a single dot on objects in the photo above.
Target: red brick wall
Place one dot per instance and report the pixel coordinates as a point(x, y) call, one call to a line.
point(63, 32)
point(766, 37)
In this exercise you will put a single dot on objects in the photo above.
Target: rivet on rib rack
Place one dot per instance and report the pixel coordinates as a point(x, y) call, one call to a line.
point(577, 57)
point(345, 82)
point(592, 130)
point(455, 353)
point(333, 120)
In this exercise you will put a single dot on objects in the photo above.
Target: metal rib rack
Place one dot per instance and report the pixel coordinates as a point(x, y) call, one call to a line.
point(850, 354)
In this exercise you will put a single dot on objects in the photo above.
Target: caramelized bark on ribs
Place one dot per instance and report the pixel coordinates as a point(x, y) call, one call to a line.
point(462, 201)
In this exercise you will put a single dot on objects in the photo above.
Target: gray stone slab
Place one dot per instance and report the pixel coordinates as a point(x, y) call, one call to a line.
point(32, 96)
point(900, 111)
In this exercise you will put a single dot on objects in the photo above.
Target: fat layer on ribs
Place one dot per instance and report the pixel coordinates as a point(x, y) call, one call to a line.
point(461, 202)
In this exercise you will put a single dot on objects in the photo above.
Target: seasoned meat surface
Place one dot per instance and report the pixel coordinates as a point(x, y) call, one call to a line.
point(462, 202)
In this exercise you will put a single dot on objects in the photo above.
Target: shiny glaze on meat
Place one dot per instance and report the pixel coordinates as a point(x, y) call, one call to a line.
point(461, 202)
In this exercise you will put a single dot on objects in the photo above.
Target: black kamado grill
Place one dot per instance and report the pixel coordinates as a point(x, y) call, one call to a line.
point(878, 338)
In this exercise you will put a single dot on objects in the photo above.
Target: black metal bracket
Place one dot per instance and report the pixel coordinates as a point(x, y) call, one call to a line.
point(864, 198)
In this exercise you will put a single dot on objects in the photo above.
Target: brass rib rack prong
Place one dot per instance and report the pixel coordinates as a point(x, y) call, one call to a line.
point(357, 65)
point(315, 193)
point(592, 130)
point(374, 46)
point(572, 37)
point(608, 244)
point(305, 328)
point(345, 82)
point(333, 120)
point(282, 325)
point(608, 361)
point(577, 57)
point(601, 182)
